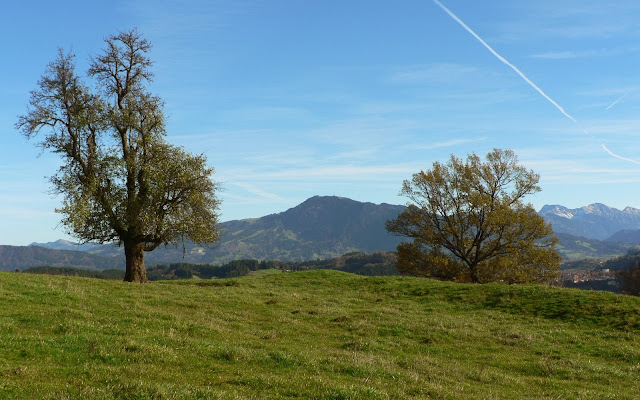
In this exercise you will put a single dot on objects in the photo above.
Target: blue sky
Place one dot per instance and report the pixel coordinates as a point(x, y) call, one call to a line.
point(290, 99)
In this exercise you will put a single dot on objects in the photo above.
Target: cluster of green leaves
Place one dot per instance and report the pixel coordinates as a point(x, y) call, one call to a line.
point(313, 334)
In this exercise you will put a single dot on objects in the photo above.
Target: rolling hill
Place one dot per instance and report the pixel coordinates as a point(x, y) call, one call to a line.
point(626, 236)
point(313, 335)
point(573, 247)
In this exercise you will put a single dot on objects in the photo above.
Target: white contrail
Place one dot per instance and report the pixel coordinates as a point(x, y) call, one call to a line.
point(495, 53)
point(617, 156)
point(616, 102)
point(523, 76)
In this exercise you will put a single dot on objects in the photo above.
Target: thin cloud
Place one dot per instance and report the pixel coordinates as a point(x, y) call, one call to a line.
point(263, 194)
point(621, 128)
point(563, 171)
point(449, 143)
point(618, 156)
point(358, 154)
point(616, 102)
point(334, 173)
point(435, 73)
point(571, 54)
point(187, 21)
point(368, 129)
point(609, 91)
point(265, 113)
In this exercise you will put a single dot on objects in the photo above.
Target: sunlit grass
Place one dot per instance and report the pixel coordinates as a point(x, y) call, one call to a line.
point(314, 334)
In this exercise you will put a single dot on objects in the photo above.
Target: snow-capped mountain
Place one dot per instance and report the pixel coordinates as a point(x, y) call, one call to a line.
point(595, 221)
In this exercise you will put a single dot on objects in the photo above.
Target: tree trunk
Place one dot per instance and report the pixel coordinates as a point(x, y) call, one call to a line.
point(136, 271)
point(473, 269)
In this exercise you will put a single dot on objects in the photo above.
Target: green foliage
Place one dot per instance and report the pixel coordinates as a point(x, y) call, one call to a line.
point(183, 272)
point(627, 272)
point(313, 334)
point(469, 223)
point(629, 281)
point(120, 180)
point(625, 262)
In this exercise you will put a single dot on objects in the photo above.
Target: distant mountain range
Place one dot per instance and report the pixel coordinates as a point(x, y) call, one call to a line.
point(326, 227)
point(62, 244)
point(595, 221)
point(20, 257)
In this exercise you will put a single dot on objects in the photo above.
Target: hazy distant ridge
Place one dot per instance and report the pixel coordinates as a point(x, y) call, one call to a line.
point(20, 257)
point(595, 221)
point(324, 227)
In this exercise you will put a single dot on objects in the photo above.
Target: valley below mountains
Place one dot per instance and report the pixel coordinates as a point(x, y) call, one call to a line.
point(325, 227)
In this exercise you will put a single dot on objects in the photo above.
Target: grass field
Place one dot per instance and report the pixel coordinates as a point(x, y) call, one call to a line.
point(315, 335)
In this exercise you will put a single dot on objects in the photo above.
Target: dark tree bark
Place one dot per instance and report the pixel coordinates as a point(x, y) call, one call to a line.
point(135, 269)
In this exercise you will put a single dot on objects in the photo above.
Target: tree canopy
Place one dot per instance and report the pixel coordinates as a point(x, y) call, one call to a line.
point(469, 222)
point(120, 180)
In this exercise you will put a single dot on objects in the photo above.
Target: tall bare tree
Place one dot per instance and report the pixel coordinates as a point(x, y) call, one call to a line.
point(121, 181)
point(468, 222)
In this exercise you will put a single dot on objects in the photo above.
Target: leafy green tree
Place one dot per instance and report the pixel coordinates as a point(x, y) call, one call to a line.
point(121, 181)
point(469, 223)
point(183, 271)
point(629, 279)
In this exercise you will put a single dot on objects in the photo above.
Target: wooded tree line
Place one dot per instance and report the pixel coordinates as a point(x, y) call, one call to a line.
point(373, 264)
point(627, 270)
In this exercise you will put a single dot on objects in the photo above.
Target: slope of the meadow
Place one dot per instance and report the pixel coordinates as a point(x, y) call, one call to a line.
point(314, 334)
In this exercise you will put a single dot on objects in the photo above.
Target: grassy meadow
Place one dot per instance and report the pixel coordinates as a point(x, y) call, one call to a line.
point(313, 335)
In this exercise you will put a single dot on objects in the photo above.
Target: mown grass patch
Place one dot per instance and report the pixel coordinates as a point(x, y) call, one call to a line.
point(314, 334)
